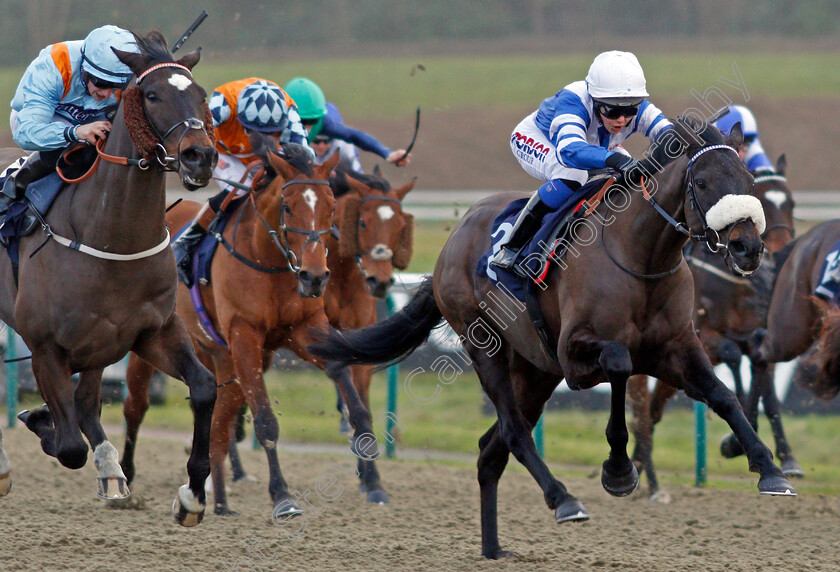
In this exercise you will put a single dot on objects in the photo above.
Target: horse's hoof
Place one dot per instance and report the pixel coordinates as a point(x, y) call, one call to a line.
point(499, 554)
point(660, 497)
point(5, 484)
point(284, 508)
point(792, 469)
point(378, 496)
point(246, 479)
point(24, 415)
point(223, 510)
point(620, 485)
point(186, 509)
point(570, 511)
point(776, 486)
point(362, 488)
point(730, 447)
point(112, 488)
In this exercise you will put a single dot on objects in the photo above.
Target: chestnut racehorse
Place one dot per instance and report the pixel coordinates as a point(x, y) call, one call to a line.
point(265, 293)
point(82, 303)
point(622, 305)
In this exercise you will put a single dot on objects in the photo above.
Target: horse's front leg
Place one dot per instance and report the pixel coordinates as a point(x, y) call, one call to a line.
point(111, 483)
point(642, 427)
point(364, 445)
point(56, 424)
point(171, 351)
point(247, 351)
point(685, 364)
point(5, 470)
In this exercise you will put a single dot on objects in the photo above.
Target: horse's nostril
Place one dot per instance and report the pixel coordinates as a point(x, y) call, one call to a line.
point(738, 247)
point(304, 276)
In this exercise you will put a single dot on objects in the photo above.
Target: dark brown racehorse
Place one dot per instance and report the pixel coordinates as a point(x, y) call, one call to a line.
point(265, 293)
point(799, 323)
point(730, 316)
point(623, 305)
point(83, 307)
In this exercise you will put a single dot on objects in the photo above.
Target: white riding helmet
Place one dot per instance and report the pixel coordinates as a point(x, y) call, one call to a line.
point(616, 75)
point(99, 60)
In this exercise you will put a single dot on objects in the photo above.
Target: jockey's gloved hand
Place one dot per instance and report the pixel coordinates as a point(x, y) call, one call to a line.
point(626, 166)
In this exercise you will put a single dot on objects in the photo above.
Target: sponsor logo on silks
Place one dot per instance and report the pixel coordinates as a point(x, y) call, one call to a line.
point(528, 145)
point(79, 114)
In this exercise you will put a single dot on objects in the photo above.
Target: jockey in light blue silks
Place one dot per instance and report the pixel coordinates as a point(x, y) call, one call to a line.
point(67, 94)
point(751, 152)
point(580, 128)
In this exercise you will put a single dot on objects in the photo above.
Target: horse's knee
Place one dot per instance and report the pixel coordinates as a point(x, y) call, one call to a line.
point(615, 361)
point(266, 427)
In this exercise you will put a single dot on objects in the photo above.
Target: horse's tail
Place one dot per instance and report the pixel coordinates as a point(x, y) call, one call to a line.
point(819, 368)
point(386, 342)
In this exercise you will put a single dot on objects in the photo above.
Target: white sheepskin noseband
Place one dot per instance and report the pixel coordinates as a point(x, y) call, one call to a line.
point(732, 208)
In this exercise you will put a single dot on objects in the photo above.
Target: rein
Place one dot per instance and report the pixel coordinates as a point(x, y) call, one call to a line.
point(282, 243)
point(712, 239)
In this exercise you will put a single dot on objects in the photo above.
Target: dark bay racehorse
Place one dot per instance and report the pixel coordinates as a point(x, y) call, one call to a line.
point(622, 306)
point(265, 293)
point(730, 316)
point(799, 323)
point(82, 308)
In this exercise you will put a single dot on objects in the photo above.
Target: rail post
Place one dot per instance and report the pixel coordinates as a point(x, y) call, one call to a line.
point(699, 443)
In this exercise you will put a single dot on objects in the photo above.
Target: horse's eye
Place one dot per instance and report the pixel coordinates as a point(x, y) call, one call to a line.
point(151, 96)
point(701, 184)
point(287, 209)
point(362, 223)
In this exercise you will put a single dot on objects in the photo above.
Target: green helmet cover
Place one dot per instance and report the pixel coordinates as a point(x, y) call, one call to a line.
point(309, 98)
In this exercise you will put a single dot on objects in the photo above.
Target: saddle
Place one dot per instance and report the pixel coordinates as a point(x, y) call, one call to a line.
point(549, 244)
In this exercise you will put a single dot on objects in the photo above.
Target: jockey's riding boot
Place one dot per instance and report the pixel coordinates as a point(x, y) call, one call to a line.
point(35, 167)
point(183, 246)
point(527, 223)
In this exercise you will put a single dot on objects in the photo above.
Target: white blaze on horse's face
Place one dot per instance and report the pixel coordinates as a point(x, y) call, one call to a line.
point(180, 81)
point(778, 198)
point(385, 212)
point(310, 198)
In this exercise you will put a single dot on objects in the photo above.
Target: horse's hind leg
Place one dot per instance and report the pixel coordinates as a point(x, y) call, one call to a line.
point(171, 351)
point(5, 470)
point(619, 476)
point(642, 427)
point(512, 433)
point(138, 377)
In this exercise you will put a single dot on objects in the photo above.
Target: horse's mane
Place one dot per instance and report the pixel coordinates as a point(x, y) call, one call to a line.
point(341, 186)
point(691, 127)
point(154, 46)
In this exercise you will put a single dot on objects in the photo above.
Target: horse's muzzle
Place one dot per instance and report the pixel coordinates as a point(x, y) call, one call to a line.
point(312, 285)
point(743, 255)
point(197, 164)
point(377, 287)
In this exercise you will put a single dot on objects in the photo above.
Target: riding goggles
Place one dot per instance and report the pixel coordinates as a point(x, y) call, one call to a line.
point(615, 111)
point(103, 84)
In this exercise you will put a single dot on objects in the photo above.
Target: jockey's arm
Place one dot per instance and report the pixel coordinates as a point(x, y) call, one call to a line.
point(40, 91)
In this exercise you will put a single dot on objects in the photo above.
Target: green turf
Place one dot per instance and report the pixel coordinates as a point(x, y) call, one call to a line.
point(386, 87)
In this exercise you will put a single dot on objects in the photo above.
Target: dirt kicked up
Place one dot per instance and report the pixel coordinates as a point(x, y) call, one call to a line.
point(52, 521)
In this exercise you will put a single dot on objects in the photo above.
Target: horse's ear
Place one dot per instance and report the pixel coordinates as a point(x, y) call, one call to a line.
point(189, 60)
point(137, 63)
point(403, 191)
point(377, 172)
point(736, 136)
point(402, 255)
point(333, 160)
point(781, 165)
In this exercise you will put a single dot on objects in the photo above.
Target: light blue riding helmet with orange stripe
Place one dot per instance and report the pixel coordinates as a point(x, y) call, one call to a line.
point(100, 61)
